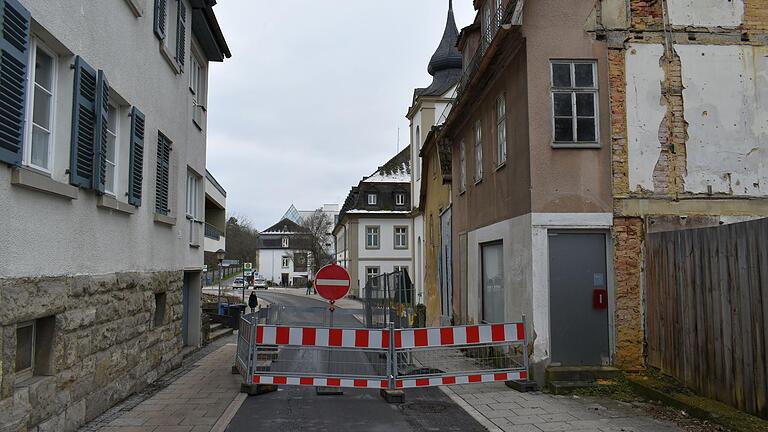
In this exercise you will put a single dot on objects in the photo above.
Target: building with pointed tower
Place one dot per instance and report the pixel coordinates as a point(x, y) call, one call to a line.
point(430, 107)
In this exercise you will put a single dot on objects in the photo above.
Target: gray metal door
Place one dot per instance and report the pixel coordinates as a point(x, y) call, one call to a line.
point(446, 272)
point(578, 299)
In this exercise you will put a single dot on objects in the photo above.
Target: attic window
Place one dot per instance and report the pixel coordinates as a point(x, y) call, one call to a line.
point(372, 199)
point(285, 242)
point(400, 199)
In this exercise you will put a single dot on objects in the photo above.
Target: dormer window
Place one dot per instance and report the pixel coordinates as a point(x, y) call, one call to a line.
point(285, 242)
point(373, 199)
point(400, 199)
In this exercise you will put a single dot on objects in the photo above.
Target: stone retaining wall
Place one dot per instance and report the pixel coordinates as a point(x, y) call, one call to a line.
point(105, 345)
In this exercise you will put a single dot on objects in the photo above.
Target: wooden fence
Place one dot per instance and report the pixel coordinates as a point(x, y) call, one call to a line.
point(707, 311)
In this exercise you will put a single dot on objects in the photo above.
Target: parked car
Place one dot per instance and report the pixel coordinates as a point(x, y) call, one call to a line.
point(260, 282)
point(238, 282)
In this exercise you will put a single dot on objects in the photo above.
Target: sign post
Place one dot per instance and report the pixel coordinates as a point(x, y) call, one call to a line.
point(332, 282)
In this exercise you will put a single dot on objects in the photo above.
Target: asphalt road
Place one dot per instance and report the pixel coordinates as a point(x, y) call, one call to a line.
point(294, 408)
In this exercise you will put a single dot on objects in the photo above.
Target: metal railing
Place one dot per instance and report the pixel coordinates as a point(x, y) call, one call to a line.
point(212, 232)
point(388, 298)
point(498, 17)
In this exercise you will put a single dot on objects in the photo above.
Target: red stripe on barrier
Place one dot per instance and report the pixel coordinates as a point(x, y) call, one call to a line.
point(361, 338)
point(422, 382)
point(385, 339)
point(420, 338)
point(361, 383)
point(523, 375)
point(333, 382)
point(306, 381)
point(497, 333)
point(256, 379)
point(500, 377)
point(384, 384)
point(399, 384)
point(475, 378)
point(259, 335)
point(449, 380)
point(308, 336)
point(279, 380)
point(334, 337)
point(520, 331)
point(473, 335)
point(446, 336)
point(283, 335)
point(398, 339)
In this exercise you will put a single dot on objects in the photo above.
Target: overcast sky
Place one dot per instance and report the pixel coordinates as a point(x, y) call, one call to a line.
point(313, 97)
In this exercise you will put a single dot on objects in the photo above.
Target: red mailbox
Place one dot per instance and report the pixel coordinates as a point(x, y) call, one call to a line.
point(600, 299)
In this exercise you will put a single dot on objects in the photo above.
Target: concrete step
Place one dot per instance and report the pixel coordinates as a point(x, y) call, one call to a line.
point(581, 373)
point(220, 332)
point(567, 387)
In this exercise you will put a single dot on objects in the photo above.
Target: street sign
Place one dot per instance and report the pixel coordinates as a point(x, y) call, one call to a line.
point(332, 282)
point(248, 266)
point(205, 268)
point(227, 263)
point(247, 272)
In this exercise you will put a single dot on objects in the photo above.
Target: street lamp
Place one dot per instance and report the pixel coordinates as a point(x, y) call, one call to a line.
point(220, 256)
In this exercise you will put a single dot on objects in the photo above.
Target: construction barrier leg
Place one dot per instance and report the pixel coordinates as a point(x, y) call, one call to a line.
point(257, 389)
point(328, 391)
point(393, 396)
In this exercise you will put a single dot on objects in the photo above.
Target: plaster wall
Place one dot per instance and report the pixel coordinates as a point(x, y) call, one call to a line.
point(706, 13)
point(270, 265)
point(386, 248)
point(44, 235)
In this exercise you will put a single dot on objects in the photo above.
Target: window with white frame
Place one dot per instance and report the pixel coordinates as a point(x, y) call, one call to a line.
point(193, 195)
point(478, 151)
point(501, 130)
point(372, 237)
point(38, 148)
point(400, 199)
point(285, 242)
point(112, 149)
point(400, 277)
point(401, 237)
point(574, 102)
point(462, 168)
point(25, 349)
point(197, 88)
point(371, 273)
point(286, 262)
point(417, 168)
point(373, 198)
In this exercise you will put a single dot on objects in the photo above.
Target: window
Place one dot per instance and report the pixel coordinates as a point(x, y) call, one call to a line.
point(193, 207)
point(285, 242)
point(25, 348)
point(112, 149)
point(493, 282)
point(163, 174)
point(574, 102)
point(42, 78)
point(170, 11)
point(160, 303)
point(400, 199)
point(462, 168)
point(34, 342)
point(478, 151)
point(487, 27)
point(401, 237)
point(371, 237)
point(501, 130)
point(371, 273)
point(286, 262)
point(196, 87)
point(372, 198)
point(300, 262)
point(417, 149)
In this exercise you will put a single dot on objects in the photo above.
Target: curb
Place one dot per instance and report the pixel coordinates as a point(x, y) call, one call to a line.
point(484, 421)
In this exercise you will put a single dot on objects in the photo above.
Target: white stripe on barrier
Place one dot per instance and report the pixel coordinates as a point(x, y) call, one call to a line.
point(296, 337)
point(406, 339)
point(485, 334)
point(348, 338)
point(433, 337)
point(270, 335)
point(459, 335)
point(332, 282)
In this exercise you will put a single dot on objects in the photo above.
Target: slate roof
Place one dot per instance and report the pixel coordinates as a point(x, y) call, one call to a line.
point(285, 226)
point(445, 64)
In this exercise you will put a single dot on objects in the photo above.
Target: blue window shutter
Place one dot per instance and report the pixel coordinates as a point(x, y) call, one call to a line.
point(102, 120)
point(81, 167)
point(136, 164)
point(163, 174)
point(181, 33)
point(14, 59)
point(161, 18)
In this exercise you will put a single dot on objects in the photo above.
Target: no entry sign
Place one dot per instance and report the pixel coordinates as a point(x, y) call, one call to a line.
point(332, 282)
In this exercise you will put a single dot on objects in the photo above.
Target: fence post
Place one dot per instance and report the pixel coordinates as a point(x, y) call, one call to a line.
point(391, 394)
point(525, 348)
point(251, 348)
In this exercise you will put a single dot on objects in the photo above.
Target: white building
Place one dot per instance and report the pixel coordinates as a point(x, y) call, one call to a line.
point(283, 254)
point(373, 234)
point(215, 218)
point(103, 138)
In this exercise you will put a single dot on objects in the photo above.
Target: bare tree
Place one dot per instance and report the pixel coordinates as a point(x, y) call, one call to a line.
point(318, 226)
point(242, 241)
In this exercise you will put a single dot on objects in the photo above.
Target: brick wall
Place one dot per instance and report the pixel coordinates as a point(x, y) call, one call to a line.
point(671, 169)
point(618, 98)
point(645, 13)
point(628, 237)
point(756, 14)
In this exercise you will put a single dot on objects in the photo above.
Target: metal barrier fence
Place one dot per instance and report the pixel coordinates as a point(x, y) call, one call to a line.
point(380, 358)
point(388, 298)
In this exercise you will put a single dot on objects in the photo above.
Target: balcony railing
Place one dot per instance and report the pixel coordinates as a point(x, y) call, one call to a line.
point(496, 18)
point(212, 232)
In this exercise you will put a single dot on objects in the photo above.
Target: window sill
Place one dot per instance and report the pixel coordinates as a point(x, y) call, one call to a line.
point(29, 179)
point(109, 202)
point(500, 166)
point(31, 380)
point(137, 7)
point(168, 57)
point(462, 192)
point(478, 181)
point(573, 145)
point(163, 219)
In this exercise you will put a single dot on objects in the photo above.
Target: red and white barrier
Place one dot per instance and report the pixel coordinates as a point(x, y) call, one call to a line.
point(460, 379)
point(461, 335)
point(320, 382)
point(322, 337)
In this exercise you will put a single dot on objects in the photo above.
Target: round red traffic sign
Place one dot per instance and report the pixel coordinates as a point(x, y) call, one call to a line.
point(332, 282)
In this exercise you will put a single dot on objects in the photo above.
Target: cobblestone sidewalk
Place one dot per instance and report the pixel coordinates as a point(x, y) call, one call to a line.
point(500, 408)
point(193, 400)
